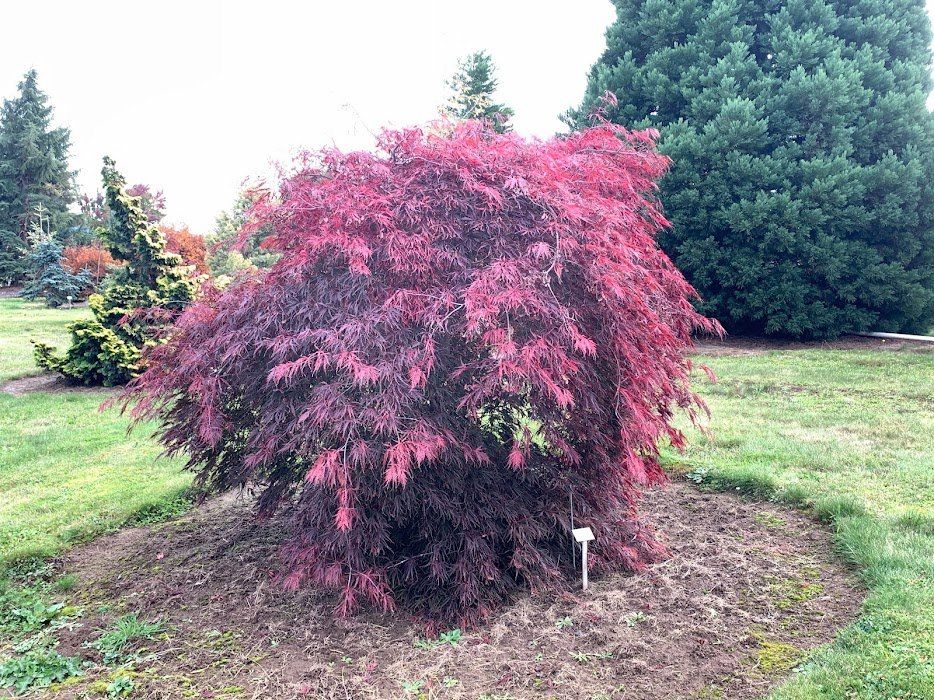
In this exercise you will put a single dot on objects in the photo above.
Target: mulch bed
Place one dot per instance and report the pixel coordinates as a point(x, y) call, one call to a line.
point(748, 591)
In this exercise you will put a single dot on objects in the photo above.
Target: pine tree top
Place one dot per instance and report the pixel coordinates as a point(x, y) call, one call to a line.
point(32, 101)
point(472, 88)
point(33, 161)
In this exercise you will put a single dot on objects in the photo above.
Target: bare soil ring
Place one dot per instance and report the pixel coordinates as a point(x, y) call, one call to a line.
point(749, 590)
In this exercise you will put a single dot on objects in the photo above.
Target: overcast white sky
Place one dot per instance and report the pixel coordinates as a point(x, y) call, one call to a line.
point(192, 97)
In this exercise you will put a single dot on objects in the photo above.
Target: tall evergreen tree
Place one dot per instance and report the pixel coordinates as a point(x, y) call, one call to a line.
point(34, 172)
point(802, 183)
point(13, 264)
point(472, 89)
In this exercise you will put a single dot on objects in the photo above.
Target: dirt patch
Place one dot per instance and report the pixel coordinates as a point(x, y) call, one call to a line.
point(10, 292)
point(748, 591)
point(47, 382)
point(755, 346)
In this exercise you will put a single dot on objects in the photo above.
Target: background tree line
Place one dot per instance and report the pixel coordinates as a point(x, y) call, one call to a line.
point(801, 190)
point(50, 233)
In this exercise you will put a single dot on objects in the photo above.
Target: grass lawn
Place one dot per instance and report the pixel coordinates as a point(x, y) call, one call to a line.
point(850, 435)
point(22, 321)
point(68, 471)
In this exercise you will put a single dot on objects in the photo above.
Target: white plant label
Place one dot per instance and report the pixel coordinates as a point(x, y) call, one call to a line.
point(583, 535)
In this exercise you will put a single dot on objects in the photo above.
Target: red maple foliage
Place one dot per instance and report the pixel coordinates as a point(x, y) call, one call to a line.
point(179, 240)
point(464, 331)
point(94, 258)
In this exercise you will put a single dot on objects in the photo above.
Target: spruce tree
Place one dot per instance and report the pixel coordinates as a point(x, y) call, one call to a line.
point(34, 173)
point(137, 302)
point(50, 280)
point(802, 185)
point(472, 89)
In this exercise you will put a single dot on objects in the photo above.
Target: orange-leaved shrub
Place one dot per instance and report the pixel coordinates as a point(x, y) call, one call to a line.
point(94, 258)
point(191, 247)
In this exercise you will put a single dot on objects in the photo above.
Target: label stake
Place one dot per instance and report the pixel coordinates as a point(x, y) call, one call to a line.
point(583, 535)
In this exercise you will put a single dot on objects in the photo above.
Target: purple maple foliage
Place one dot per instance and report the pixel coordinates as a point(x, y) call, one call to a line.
point(465, 329)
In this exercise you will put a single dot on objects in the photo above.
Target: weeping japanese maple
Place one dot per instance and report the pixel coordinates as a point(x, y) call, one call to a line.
point(465, 332)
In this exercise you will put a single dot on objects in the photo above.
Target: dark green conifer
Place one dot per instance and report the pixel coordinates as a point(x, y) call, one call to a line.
point(802, 184)
point(34, 174)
